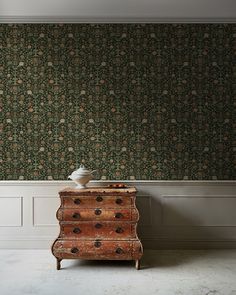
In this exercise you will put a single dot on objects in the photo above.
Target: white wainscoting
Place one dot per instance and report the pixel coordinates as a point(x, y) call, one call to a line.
point(174, 214)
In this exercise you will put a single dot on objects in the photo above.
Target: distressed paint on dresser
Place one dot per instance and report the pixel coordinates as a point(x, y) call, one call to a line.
point(98, 223)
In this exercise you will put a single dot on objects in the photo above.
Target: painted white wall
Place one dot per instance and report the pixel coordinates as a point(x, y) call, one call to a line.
point(120, 9)
point(174, 214)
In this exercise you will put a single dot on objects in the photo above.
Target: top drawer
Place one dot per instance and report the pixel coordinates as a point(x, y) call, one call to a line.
point(93, 201)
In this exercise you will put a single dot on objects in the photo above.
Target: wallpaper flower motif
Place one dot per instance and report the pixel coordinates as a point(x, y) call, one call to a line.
point(134, 101)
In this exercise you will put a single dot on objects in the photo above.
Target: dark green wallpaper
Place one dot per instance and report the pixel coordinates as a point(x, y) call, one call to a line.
point(151, 101)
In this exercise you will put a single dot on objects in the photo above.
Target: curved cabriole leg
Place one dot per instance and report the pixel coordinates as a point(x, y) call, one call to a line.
point(59, 263)
point(137, 264)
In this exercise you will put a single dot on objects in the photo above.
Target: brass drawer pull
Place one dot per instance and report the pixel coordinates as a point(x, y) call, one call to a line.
point(76, 215)
point(98, 225)
point(119, 251)
point(77, 201)
point(99, 199)
point(98, 211)
point(97, 244)
point(74, 250)
point(119, 201)
point(77, 230)
point(119, 230)
point(118, 215)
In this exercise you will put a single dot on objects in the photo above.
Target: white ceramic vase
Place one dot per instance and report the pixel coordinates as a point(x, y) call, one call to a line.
point(81, 176)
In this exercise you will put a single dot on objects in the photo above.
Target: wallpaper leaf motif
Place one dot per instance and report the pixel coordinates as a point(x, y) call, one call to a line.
point(134, 101)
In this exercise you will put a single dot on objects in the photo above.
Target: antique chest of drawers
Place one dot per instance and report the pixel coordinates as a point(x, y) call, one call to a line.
point(98, 223)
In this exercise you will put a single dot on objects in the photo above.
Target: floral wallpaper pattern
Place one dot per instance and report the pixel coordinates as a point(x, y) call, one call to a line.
point(134, 101)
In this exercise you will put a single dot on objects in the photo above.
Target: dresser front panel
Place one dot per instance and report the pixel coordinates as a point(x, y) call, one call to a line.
point(94, 201)
point(110, 250)
point(101, 230)
point(98, 223)
point(95, 214)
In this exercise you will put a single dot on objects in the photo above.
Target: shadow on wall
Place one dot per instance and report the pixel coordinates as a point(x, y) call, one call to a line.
point(160, 232)
point(163, 226)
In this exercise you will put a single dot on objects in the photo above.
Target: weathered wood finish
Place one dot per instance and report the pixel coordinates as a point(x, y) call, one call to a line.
point(99, 230)
point(128, 214)
point(94, 201)
point(98, 223)
point(98, 190)
point(107, 250)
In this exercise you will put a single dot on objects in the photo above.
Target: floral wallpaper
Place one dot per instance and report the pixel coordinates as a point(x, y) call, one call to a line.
point(134, 101)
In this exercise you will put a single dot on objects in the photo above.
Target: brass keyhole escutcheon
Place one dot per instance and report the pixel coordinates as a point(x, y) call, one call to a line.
point(118, 215)
point(74, 250)
point(99, 199)
point(119, 251)
point(76, 215)
point(98, 225)
point(119, 230)
point(97, 244)
point(119, 201)
point(77, 201)
point(77, 230)
point(98, 211)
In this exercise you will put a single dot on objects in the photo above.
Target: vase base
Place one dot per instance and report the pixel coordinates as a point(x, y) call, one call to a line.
point(79, 186)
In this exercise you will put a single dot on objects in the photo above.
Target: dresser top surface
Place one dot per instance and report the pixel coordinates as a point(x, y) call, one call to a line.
point(98, 189)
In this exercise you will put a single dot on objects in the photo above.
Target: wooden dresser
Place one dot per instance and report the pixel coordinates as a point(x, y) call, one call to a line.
point(98, 223)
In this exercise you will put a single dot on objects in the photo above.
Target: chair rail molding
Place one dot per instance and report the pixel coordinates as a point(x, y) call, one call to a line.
point(113, 11)
point(174, 214)
point(11, 19)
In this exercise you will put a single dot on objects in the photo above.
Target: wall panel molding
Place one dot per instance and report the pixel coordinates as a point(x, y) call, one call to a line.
point(42, 215)
point(11, 211)
point(116, 20)
point(186, 226)
point(199, 210)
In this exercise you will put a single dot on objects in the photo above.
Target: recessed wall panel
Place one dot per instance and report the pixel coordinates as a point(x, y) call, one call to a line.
point(199, 210)
point(44, 211)
point(10, 211)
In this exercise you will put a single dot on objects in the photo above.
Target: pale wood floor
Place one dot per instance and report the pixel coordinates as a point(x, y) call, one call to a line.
point(164, 272)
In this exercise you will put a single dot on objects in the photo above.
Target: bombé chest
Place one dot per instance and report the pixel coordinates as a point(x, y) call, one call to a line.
point(98, 223)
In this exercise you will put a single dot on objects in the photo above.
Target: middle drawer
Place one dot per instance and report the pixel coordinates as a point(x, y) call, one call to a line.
point(115, 214)
point(98, 230)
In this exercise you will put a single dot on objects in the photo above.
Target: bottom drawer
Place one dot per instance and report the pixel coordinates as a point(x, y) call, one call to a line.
point(98, 249)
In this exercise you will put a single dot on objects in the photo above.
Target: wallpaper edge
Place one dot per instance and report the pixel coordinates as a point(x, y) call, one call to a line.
point(110, 20)
point(130, 182)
